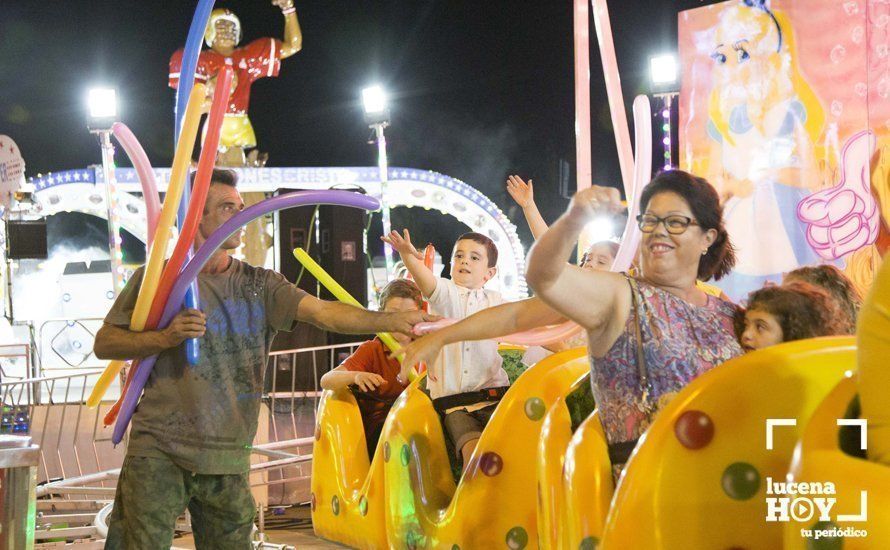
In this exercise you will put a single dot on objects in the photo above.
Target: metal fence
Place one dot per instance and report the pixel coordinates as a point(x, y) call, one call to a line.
point(15, 362)
point(79, 464)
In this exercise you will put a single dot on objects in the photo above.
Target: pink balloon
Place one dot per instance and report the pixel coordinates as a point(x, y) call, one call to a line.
point(540, 336)
point(583, 141)
point(146, 176)
point(421, 329)
point(613, 90)
point(543, 336)
point(630, 239)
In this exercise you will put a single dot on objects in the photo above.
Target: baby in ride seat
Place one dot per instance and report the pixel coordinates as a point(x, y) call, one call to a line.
point(467, 379)
point(372, 370)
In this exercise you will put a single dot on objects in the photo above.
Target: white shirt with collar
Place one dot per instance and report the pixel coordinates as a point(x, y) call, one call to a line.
point(465, 366)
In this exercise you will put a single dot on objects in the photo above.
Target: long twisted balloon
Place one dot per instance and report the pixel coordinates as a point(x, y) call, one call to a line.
point(140, 162)
point(155, 263)
point(193, 217)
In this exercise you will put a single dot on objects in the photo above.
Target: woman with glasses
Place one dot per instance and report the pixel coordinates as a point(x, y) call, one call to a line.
point(649, 335)
point(652, 334)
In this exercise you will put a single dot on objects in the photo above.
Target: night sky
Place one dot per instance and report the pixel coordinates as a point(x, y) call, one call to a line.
point(478, 89)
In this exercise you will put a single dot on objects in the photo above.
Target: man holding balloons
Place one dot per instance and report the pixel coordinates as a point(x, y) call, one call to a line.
point(192, 432)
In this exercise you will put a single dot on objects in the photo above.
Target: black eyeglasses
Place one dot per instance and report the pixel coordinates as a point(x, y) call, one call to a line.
point(674, 224)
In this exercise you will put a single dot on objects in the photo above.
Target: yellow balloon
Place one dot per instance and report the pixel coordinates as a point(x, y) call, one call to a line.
point(338, 291)
point(104, 382)
point(155, 264)
point(181, 162)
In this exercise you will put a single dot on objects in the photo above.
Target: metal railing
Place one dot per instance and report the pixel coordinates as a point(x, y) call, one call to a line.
point(52, 410)
point(15, 361)
point(292, 403)
point(79, 466)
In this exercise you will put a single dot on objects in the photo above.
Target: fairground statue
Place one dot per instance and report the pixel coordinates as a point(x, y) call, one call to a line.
point(258, 59)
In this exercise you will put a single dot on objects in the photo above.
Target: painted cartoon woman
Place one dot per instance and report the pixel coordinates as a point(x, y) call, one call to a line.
point(763, 120)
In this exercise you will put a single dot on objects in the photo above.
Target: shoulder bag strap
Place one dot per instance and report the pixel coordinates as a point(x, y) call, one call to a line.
point(645, 383)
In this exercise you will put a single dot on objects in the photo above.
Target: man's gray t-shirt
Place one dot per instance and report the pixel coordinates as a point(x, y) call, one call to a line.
point(204, 417)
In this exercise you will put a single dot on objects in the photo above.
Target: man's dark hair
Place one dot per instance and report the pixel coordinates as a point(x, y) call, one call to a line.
point(490, 248)
point(223, 176)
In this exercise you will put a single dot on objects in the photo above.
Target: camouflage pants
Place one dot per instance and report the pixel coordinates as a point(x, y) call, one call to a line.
point(153, 492)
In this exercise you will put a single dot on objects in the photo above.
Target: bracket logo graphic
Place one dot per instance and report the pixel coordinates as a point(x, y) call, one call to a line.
point(803, 502)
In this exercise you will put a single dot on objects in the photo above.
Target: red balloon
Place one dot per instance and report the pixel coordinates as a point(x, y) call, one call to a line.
point(190, 226)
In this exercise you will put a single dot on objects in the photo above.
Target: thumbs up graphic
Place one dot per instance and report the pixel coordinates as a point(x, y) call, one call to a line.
point(846, 217)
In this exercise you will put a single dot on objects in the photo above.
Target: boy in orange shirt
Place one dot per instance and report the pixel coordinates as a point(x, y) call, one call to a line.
point(372, 370)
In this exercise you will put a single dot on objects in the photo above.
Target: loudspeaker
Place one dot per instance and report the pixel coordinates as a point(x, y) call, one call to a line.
point(340, 249)
point(26, 239)
point(295, 228)
point(336, 246)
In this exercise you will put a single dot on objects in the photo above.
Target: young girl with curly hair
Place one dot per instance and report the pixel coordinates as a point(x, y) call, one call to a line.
point(793, 311)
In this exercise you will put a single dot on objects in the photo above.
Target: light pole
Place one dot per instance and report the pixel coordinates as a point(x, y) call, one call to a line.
point(377, 118)
point(663, 77)
point(103, 113)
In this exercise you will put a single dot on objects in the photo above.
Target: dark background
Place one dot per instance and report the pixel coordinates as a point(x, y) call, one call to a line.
point(478, 89)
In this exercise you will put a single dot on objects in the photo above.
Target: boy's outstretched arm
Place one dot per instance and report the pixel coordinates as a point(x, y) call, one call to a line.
point(413, 260)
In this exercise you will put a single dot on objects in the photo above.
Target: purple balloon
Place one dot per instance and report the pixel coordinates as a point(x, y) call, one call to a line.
point(191, 270)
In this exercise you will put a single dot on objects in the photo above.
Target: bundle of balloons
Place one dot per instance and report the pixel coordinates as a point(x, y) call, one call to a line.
point(164, 288)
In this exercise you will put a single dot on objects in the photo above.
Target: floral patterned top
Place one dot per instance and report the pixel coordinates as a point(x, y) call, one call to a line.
point(680, 342)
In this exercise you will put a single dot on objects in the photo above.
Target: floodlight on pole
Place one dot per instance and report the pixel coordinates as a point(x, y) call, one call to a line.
point(664, 78)
point(663, 70)
point(102, 113)
point(377, 118)
point(102, 109)
point(374, 101)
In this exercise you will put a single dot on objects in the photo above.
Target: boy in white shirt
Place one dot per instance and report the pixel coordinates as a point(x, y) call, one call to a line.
point(463, 367)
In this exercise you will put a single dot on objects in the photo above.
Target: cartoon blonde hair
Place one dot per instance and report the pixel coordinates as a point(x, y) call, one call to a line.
point(815, 115)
